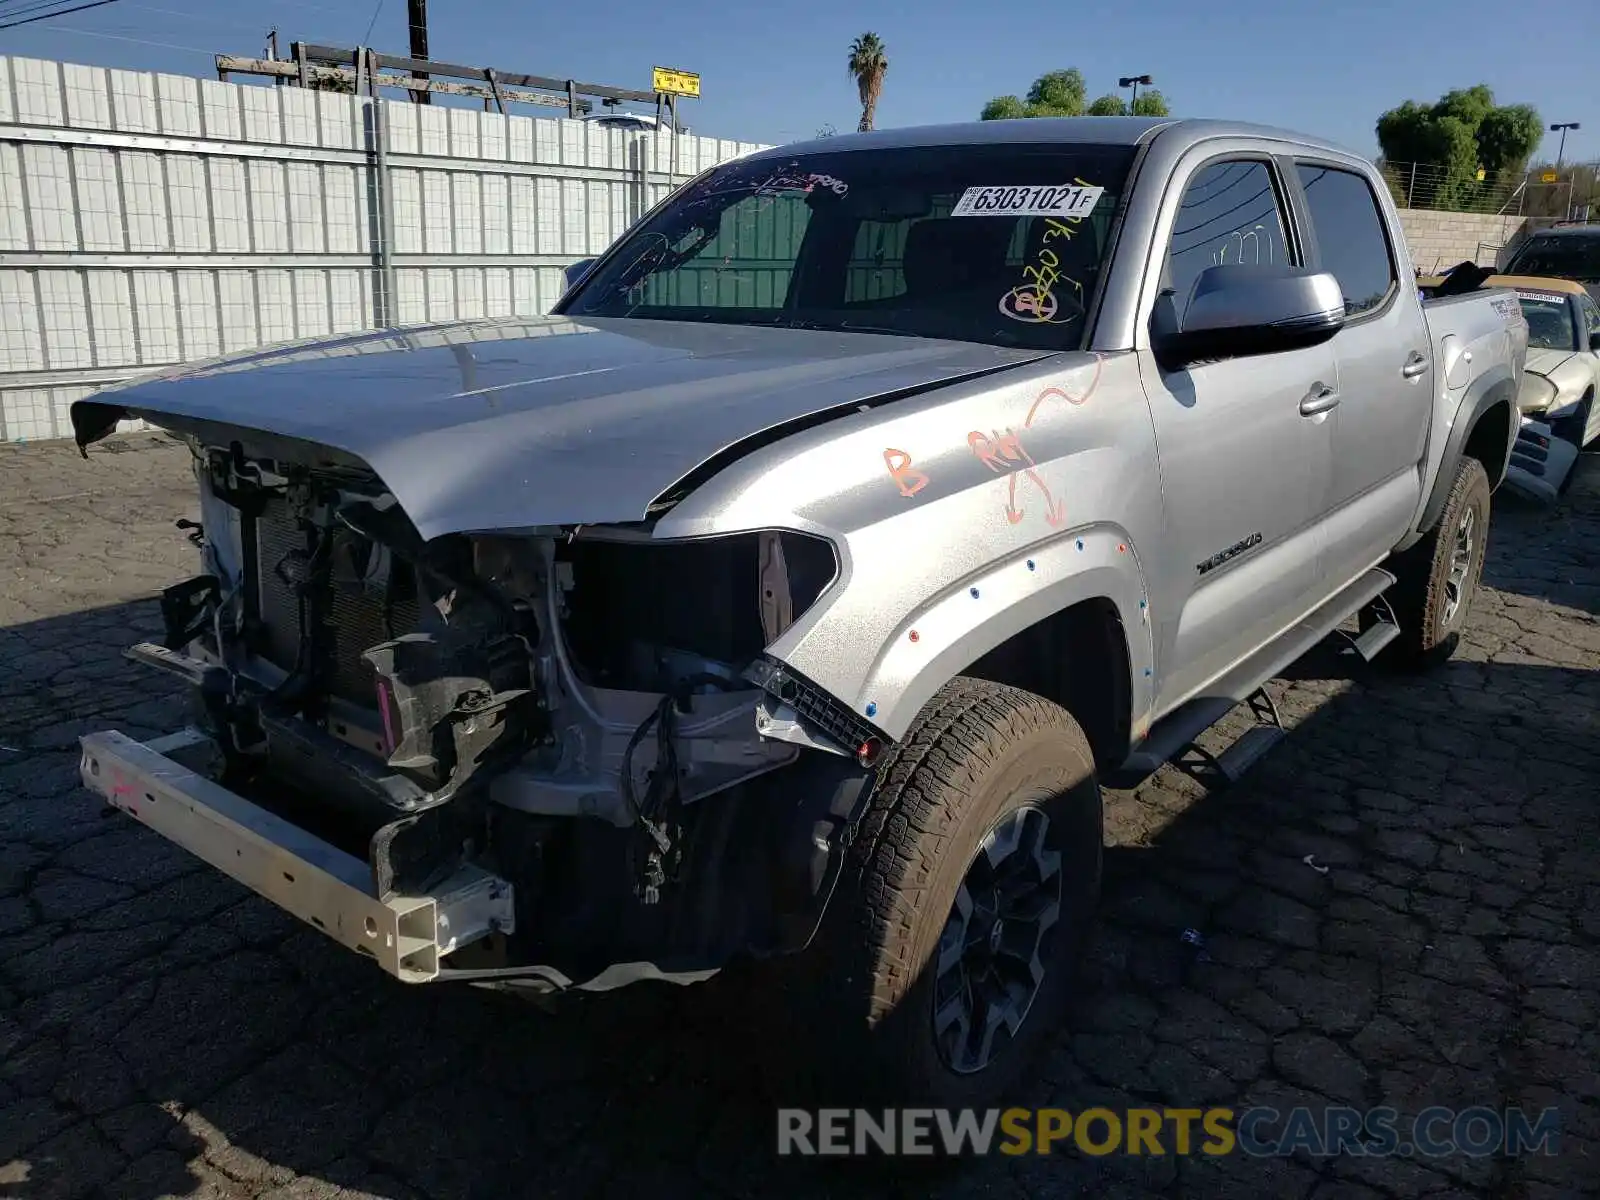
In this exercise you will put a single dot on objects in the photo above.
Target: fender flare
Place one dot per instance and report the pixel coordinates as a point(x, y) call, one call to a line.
point(959, 627)
point(1492, 389)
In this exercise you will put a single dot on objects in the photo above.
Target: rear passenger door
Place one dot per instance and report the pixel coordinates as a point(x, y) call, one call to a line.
point(1385, 362)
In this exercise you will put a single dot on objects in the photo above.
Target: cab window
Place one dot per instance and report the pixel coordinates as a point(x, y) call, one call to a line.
point(1351, 241)
point(1230, 213)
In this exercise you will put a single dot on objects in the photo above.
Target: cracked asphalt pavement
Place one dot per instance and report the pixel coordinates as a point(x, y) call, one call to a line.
point(165, 1033)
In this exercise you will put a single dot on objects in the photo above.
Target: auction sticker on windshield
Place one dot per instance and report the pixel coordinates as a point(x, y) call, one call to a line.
point(1028, 200)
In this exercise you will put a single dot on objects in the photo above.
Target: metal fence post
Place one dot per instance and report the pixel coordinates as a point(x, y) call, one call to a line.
point(1411, 188)
point(386, 307)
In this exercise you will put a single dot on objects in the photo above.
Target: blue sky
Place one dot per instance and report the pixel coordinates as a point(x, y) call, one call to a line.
point(776, 73)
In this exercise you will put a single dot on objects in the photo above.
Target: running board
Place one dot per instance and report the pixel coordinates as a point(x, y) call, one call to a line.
point(1173, 737)
point(1229, 767)
point(1385, 627)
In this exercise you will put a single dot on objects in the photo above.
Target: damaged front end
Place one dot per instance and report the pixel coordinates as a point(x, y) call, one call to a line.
point(550, 757)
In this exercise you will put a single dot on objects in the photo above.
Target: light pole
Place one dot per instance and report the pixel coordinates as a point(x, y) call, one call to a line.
point(1561, 152)
point(1134, 81)
point(1563, 127)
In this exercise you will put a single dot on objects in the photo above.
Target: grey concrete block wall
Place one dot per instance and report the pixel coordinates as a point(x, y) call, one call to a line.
point(1438, 240)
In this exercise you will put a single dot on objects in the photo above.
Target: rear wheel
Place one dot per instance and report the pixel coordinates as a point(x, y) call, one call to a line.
point(952, 941)
point(1436, 579)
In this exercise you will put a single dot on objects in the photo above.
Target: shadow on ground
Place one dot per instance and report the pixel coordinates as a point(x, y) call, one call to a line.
point(162, 1033)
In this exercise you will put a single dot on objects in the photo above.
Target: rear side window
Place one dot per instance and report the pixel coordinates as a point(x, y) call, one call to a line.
point(1350, 235)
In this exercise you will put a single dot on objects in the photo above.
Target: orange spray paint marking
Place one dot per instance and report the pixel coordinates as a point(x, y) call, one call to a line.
point(1005, 452)
point(908, 480)
point(1059, 393)
point(997, 450)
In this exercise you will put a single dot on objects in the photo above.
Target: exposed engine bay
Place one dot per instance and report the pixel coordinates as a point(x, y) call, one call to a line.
point(584, 712)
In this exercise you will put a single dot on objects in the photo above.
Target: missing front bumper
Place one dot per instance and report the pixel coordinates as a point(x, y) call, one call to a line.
point(1540, 462)
point(305, 876)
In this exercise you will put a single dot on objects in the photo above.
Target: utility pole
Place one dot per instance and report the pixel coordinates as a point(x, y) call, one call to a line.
point(417, 18)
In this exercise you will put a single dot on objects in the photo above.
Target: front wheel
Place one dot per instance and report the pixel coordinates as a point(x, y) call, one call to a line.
point(955, 932)
point(1436, 579)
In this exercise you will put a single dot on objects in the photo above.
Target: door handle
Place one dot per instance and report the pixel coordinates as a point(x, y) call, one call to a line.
point(1319, 399)
point(1416, 365)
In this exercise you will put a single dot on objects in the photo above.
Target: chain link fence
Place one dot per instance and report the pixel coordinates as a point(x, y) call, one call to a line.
point(1570, 192)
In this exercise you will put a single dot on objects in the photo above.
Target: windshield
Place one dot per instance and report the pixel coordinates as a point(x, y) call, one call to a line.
point(1001, 244)
point(1570, 257)
point(1549, 318)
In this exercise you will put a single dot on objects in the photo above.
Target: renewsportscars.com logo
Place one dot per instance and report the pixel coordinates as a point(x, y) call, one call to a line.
point(1259, 1132)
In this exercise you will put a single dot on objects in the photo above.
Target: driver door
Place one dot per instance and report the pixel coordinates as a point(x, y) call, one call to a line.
point(1245, 472)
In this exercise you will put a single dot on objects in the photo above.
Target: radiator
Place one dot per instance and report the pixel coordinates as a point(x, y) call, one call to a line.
point(353, 615)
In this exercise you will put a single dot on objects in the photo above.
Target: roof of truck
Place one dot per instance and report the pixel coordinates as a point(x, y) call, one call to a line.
point(1116, 131)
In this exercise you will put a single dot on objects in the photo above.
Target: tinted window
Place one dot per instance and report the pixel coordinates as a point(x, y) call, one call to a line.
point(1229, 214)
point(1562, 256)
point(1350, 236)
point(1000, 244)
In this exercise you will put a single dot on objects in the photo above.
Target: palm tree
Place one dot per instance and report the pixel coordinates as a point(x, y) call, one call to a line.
point(868, 65)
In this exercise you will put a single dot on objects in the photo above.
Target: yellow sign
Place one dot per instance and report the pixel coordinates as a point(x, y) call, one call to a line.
point(675, 83)
point(1548, 177)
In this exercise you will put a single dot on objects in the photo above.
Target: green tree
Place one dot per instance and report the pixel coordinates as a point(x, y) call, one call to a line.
point(1004, 108)
point(1065, 94)
point(1450, 141)
point(1508, 136)
point(1149, 104)
point(1057, 94)
point(869, 63)
point(333, 83)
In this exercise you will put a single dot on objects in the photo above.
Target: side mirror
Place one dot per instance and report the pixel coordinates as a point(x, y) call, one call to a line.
point(577, 271)
point(1594, 341)
point(1237, 309)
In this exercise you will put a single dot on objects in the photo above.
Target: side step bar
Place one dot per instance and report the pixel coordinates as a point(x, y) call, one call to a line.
point(1229, 767)
point(1382, 628)
point(1172, 739)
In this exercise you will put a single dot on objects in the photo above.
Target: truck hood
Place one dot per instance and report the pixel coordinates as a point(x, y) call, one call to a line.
point(510, 423)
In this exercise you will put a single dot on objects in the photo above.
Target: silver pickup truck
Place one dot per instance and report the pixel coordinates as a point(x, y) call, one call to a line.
point(787, 595)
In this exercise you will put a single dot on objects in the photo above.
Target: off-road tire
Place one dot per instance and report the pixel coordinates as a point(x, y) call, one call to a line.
point(978, 752)
point(1422, 572)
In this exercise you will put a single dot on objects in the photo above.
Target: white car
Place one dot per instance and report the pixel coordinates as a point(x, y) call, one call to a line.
point(1557, 397)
